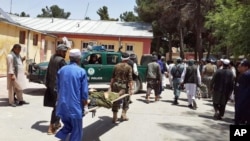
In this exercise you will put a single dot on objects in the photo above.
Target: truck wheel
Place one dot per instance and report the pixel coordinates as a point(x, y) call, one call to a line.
point(137, 86)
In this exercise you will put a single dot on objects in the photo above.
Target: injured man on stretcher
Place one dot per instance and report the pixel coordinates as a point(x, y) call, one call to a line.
point(104, 98)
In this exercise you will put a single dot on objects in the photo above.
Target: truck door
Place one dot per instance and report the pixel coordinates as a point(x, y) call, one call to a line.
point(94, 68)
point(111, 60)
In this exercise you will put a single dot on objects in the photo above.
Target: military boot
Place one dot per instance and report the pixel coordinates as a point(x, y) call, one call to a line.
point(176, 101)
point(114, 117)
point(124, 116)
point(51, 130)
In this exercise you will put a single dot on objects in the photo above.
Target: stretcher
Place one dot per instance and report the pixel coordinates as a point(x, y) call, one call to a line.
point(93, 109)
point(119, 98)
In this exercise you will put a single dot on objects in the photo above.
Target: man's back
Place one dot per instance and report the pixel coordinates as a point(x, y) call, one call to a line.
point(153, 70)
point(55, 63)
point(223, 80)
point(71, 90)
point(122, 72)
point(177, 70)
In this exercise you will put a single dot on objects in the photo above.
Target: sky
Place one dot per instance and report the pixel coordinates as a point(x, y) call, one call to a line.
point(79, 9)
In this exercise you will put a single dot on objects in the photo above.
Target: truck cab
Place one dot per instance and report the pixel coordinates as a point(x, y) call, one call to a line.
point(100, 71)
point(99, 65)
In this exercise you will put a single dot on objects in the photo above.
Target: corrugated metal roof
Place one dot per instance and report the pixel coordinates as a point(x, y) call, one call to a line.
point(68, 26)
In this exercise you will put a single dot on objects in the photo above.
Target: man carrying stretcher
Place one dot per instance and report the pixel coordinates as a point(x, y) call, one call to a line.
point(122, 82)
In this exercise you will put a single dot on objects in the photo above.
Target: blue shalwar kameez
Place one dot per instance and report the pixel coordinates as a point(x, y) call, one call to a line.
point(72, 86)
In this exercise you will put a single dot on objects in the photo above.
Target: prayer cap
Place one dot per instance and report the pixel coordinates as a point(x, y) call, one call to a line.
point(75, 53)
point(226, 61)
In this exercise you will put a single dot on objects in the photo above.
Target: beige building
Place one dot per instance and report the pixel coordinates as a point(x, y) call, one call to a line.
point(40, 36)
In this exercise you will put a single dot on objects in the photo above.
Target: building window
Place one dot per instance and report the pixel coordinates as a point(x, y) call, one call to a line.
point(84, 45)
point(22, 37)
point(129, 48)
point(35, 39)
point(111, 47)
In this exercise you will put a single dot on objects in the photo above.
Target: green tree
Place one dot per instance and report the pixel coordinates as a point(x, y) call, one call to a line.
point(23, 14)
point(129, 17)
point(103, 13)
point(230, 21)
point(54, 11)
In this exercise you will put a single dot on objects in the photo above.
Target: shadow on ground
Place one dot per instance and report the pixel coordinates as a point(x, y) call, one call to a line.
point(195, 133)
point(39, 127)
point(4, 102)
point(34, 91)
point(97, 129)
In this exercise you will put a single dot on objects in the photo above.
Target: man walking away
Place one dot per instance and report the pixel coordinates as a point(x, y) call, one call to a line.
point(191, 78)
point(207, 73)
point(176, 72)
point(122, 82)
point(222, 86)
point(154, 79)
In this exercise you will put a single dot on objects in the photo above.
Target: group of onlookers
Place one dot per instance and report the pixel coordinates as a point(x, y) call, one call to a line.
point(221, 78)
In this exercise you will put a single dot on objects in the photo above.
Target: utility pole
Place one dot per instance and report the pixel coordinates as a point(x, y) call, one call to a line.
point(10, 6)
point(86, 11)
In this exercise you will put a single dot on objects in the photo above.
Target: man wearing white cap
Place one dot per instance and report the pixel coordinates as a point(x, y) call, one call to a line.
point(72, 87)
point(222, 86)
point(56, 62)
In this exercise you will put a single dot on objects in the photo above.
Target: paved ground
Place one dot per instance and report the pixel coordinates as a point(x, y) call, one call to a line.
point(157, 121)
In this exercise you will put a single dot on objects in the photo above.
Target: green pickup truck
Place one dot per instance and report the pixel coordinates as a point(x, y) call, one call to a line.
point(99, 72)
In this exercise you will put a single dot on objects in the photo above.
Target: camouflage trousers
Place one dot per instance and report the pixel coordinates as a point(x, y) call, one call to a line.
point(124, 103)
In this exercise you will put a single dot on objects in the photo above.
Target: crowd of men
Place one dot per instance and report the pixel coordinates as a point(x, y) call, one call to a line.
point(67, 86)
point(219, 80)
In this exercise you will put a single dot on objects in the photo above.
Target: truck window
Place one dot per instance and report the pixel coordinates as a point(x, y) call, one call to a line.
point(112, 59)
point(94, 59)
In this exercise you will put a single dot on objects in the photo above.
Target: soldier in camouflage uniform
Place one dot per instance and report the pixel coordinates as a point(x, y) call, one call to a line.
point(122, 81)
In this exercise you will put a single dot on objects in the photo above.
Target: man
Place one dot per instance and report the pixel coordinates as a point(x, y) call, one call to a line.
point(133, 65)
point(191, 78)
point(170, 77)
point(176, 72)
point(94, 59)
point(15, 76)
point(72, 87)
point(56, 62)
point(207, 73)
point(163, 71)
point(222, 86)
point(122, 81)
point(242, 97)
point(154, 79)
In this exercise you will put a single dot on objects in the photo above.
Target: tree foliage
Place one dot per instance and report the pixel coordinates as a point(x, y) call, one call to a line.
point(129, 17)
point(104, 14)
point(230, 22)
point(54, 11)
point(23, 14)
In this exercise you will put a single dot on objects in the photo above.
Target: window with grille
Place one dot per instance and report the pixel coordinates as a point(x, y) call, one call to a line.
point(129, 48)
point(22, 35)
point(35, 39)
point(84, 45)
